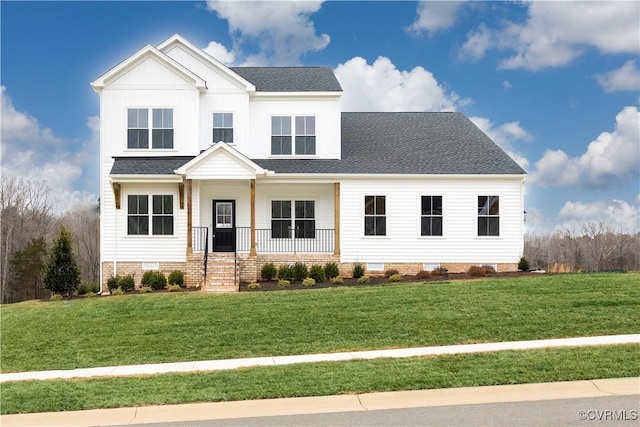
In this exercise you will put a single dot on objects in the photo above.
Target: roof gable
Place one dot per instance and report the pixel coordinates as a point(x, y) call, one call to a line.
point(220, 162)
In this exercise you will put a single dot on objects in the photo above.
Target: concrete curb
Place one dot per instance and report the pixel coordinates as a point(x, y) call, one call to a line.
point(228, 364)
point(329, 404)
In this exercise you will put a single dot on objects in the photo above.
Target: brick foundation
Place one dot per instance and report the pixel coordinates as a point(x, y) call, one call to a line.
point(135, 269)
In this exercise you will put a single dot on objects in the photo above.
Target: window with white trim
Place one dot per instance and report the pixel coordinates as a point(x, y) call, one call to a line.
point(488, 216)
point(138, 120)
point(305, 219)
point(431, 216)
point(137, 215)
point(161, 216)
point(223, 127)
point(302, 217)
point(375, 217)
point(305, 135)
point(280, 135)
point(283, 128)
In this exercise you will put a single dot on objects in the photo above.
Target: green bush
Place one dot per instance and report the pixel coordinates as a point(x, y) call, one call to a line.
point(358, 270)
point(145, 290)
point(254, 285)
point(523, 265)
point(176, 277)
point(390, 272)
point(363, 279)
point(88, 288)
point(331, 270)
point(154, 279)
point(423, 274)
point(126, 283)
point(308, 281)
point(55, 297)
point(337, 280)
point(117, 291)
point(300, 271)
point(395, 277)
point(61, 274)
point(283, 283)
point(269, 271)
point(89, 295)
point(285, 272)
point(317, 273)
point(174, 288)
point(112, 283)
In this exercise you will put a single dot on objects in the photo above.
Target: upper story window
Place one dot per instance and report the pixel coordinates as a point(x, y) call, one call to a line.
point(488, 216)
point(431, 216)
point(138, 120)
point(223, 127)
point(375, 217)
point(284, 127)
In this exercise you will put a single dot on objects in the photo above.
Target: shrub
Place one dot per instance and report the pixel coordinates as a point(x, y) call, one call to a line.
point(89, 295)
point(395, 277)
point(61, 274)
point(145, 290)
point(117, 291)
point(283, 283)
point(337, 280)
point(331, 270)
point(55, 297)
point(317, 273)
point(112, 283)
point(423, 274)
point(126, 283)
point(523, 265)
point(174, 288)
point(176, 277)
point(363, 279)
point(440, 271)
point(88, 288)
point(269, 271)
point(300, 271)
point(254, 285)
point(358, 270)
point(154, 279)
point(285, 272)
point(476, 271)
point(309, 281)
point(390, 272)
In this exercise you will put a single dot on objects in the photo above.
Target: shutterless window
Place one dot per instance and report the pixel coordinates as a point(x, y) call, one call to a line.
point(162, 128)
point(375, 219)
point(137, 215)
point(488, 216)
point(223, 127)
point(431, 216)
point(305, 219)
point(305, 135)
point(137, 128)
point(163, 215)
point(280, 219)
point(280, 135)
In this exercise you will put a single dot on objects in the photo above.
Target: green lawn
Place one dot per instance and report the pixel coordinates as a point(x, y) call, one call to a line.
point(168, 327)
point(317, 379)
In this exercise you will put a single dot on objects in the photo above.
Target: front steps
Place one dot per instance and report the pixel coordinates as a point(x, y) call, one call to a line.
point(222, 274)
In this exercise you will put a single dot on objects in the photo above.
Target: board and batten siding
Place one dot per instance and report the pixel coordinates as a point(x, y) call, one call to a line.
point(459, 243)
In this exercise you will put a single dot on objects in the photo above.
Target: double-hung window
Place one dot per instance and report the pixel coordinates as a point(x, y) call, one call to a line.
point(302, 217)
point(488, 216)
point(283, 128)
point(305, 135)
point(305, 219)
point(138, 120)
point(280, 135)
point(431, 216)
point(138, 210)
point(281, 219)
point(375, 217)
point(223, 127)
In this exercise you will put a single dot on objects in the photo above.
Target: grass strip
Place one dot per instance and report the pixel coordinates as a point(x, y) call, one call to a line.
point(156, 328)
point(329, 378)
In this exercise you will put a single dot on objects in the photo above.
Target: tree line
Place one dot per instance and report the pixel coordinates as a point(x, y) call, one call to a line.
point(28, 229)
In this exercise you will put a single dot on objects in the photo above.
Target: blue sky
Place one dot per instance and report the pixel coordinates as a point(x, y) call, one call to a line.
point(556, 84)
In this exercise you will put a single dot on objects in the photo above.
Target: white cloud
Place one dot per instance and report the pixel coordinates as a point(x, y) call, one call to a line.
point(32, 152)
point(382, 87)
point(505, 135)
point(627, 77)
point(555, 33)
point(282, 30)
point(221, 53)
point(434, 16)
point(610, 156)
point(506, 85)
point(621, 215)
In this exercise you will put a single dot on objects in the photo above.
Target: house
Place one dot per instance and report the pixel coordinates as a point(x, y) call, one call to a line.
point(217, 170)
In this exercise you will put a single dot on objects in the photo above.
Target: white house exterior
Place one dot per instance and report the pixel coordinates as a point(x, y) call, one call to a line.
point(207, 167)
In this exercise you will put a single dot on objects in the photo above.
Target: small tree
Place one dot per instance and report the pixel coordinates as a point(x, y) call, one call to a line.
point(523, 265)
point(62, 275)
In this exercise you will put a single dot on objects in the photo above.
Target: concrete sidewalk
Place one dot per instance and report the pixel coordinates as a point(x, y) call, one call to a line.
point(220, 365)
point(328, 404)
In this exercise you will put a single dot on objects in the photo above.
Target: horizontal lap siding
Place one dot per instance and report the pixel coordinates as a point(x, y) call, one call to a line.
point(225, 190)
point(459, 242)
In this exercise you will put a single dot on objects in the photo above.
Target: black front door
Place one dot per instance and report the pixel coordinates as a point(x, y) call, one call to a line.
point(224, 226)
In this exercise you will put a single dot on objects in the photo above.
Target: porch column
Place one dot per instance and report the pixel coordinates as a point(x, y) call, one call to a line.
point(336, 218)
point(189, 218)
point(252, 250)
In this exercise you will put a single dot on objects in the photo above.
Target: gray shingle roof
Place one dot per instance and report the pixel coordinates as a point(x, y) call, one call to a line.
point(382, 143)
point(290, 79)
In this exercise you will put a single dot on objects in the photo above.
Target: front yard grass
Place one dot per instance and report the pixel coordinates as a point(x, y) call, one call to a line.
point(154, 328)
point(318, 379)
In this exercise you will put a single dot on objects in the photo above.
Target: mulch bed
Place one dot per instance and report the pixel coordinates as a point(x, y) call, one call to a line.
point(272, 285)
